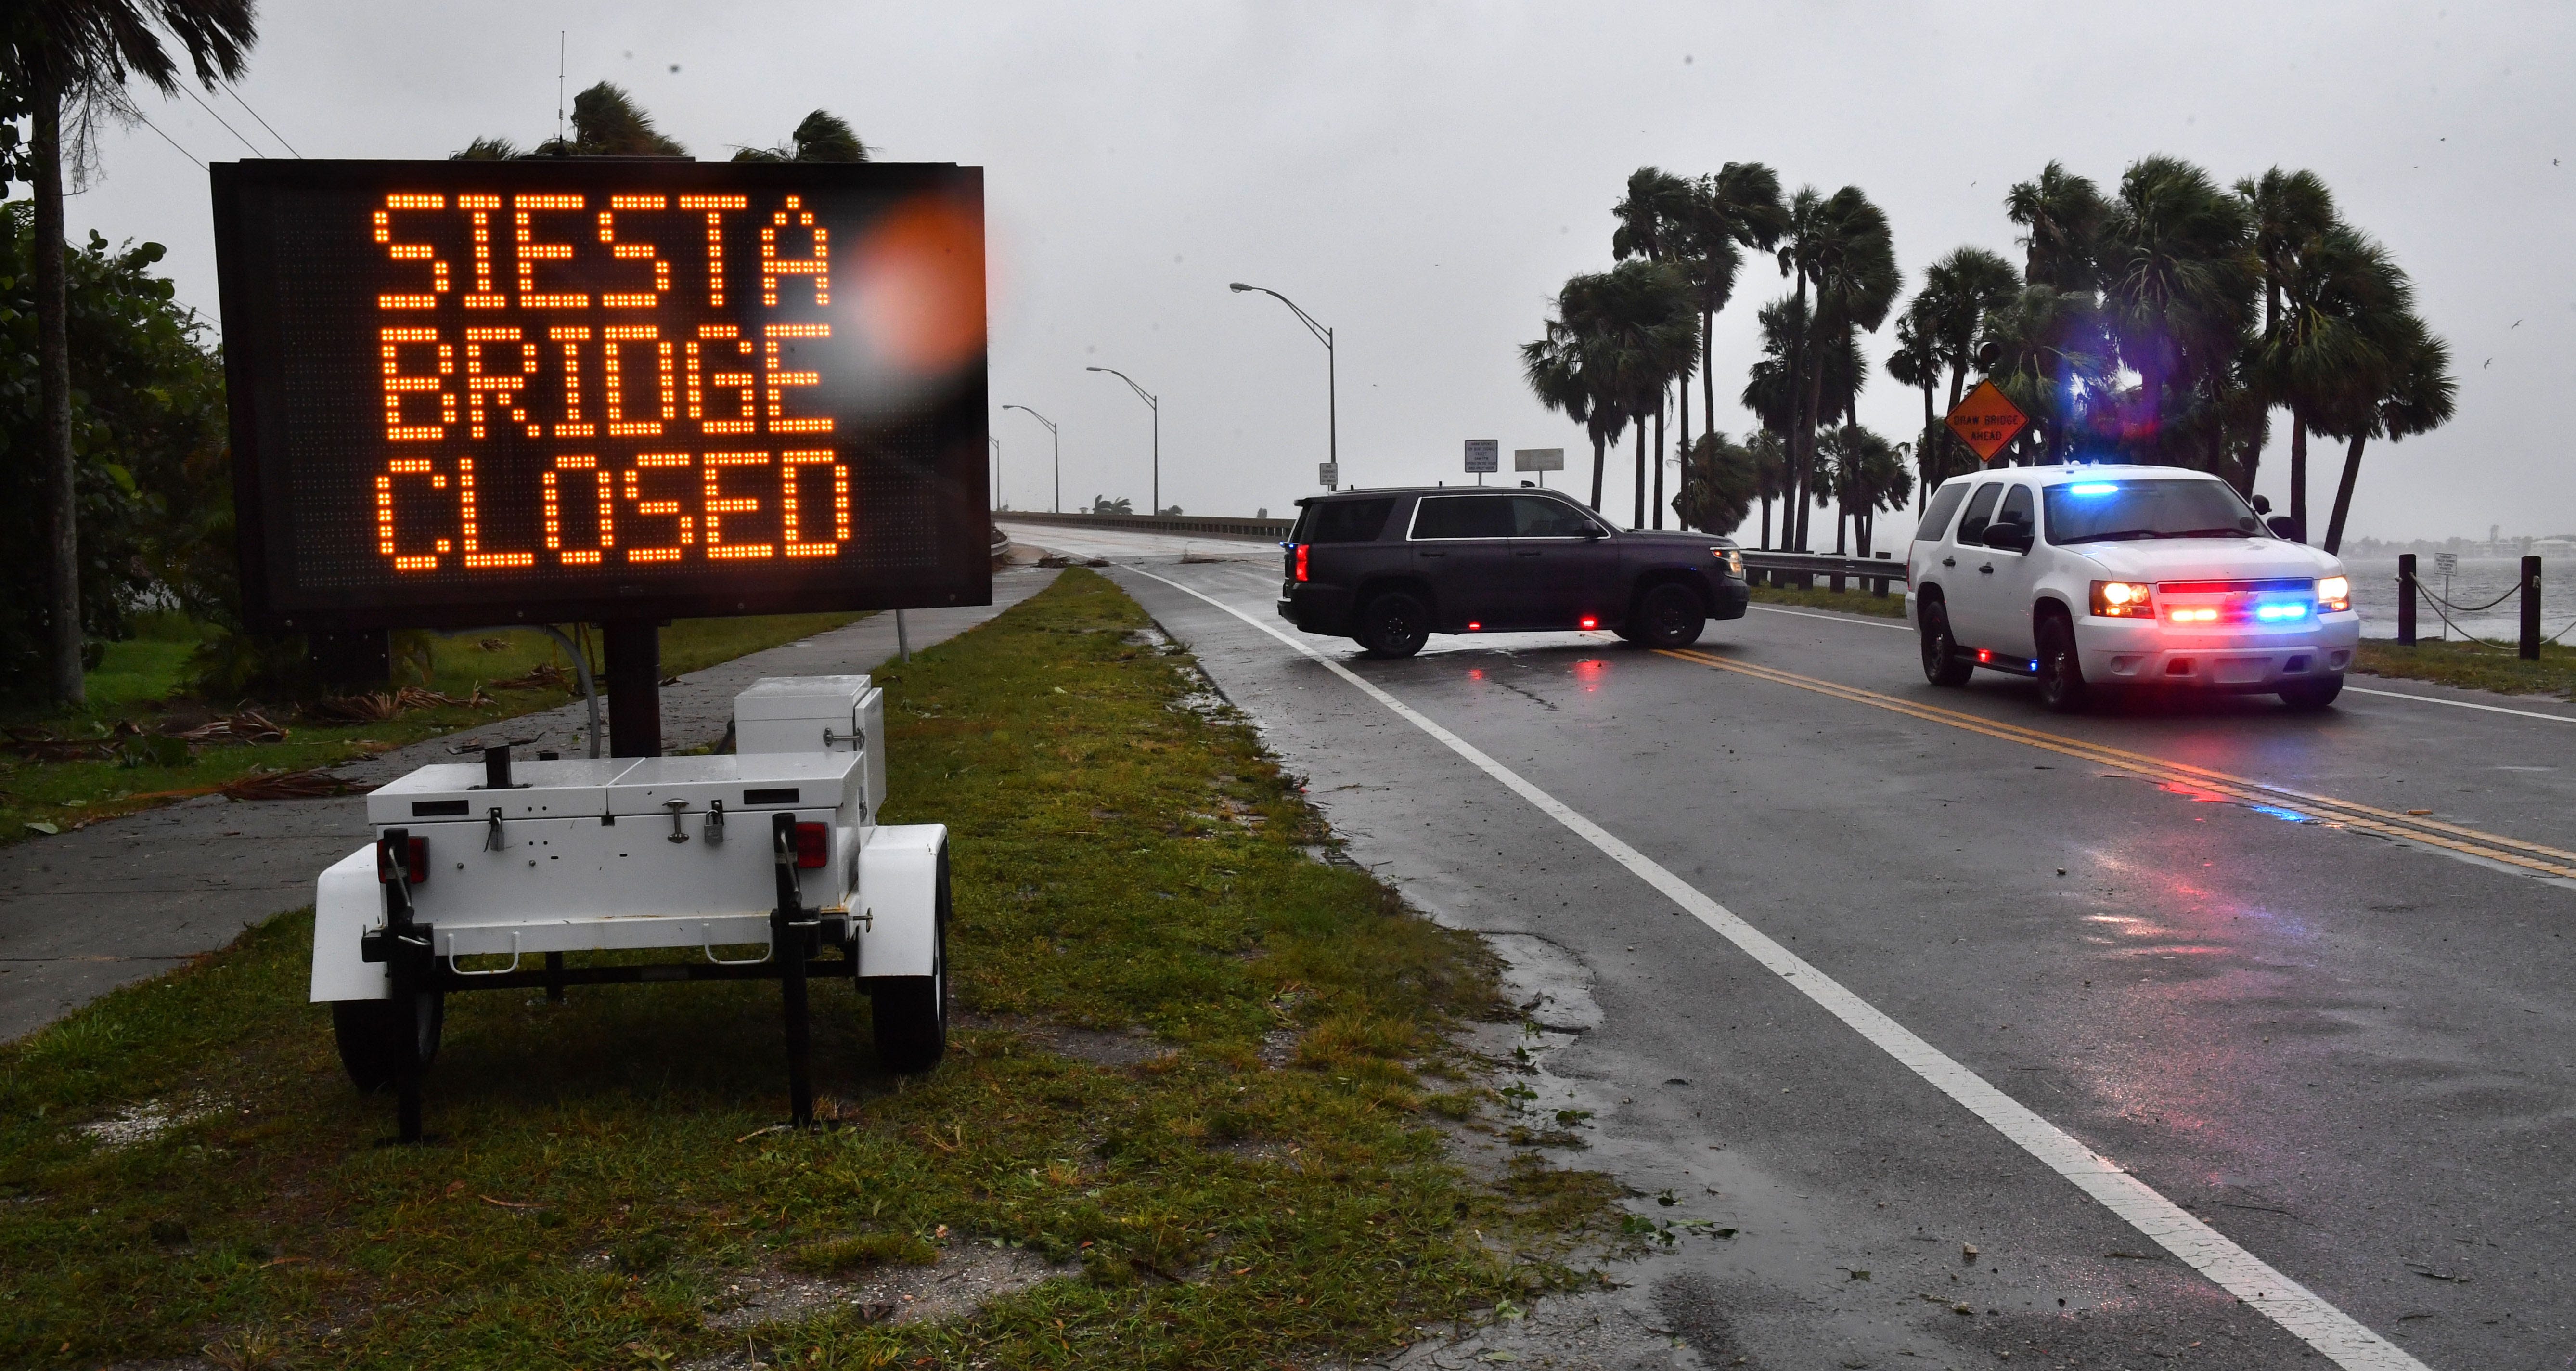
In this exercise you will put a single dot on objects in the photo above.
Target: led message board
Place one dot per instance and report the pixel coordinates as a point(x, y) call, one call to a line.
point(592, 389)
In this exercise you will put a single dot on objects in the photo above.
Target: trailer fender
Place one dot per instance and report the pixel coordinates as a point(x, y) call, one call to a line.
point(897, 899)
point(347, 902)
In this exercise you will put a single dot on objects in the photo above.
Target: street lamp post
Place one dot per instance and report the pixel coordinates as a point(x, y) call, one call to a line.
point(1332, 419)
point(1058, 503)
point(1155, 403)
point(998, 501)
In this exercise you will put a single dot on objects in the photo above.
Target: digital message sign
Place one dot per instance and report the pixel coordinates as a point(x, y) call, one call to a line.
point(486, 392)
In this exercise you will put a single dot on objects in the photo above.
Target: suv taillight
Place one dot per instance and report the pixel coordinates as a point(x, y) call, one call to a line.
point(813, 846)
point(1301, 561)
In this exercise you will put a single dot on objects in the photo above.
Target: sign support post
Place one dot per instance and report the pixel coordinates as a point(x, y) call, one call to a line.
point(634, 651)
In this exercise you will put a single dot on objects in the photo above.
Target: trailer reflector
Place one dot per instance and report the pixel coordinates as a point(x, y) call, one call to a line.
point(813, 846)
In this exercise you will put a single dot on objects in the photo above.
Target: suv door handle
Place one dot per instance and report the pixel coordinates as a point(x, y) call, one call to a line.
point(1526, 552)
point(1949, 561)
point(1428, 553)
point(1988, 569)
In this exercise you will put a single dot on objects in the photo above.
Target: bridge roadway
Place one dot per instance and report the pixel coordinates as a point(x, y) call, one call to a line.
point(2222, 1033)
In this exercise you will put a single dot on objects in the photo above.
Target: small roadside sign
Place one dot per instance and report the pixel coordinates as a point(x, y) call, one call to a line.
point(1484, 454)
point(1328, 475)
point(1538, 459)
point(1987, 420)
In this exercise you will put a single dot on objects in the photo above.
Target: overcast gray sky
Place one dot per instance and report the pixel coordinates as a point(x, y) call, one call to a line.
point(1423, 176)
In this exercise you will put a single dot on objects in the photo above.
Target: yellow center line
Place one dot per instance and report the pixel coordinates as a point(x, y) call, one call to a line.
point(2343, 813)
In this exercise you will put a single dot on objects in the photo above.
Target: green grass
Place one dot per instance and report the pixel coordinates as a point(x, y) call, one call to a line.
point(2475, 666)
point(1856, 600)
point(604, 1171)
point(140, 679)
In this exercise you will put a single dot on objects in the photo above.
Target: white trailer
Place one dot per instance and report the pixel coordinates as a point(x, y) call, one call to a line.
point(763, 864)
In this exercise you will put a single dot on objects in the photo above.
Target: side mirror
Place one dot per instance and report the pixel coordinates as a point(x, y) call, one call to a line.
point(2014, 537)
point(2282, 527)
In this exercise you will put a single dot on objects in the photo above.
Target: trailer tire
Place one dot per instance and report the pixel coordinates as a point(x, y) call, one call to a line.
point(910, 1013)
point(373, 1034)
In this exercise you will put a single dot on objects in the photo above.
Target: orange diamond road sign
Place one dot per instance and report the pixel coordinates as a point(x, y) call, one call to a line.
point(1986, 420)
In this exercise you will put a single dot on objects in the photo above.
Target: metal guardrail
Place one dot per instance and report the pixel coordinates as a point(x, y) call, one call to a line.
point(1801, 569)
point(1255, 530)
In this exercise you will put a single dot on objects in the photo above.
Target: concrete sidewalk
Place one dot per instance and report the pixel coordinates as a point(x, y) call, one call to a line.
point(125, 899)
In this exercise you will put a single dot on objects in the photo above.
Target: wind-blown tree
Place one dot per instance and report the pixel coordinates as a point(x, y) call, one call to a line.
point(1915, 362)
point(1566, 370)
point(1860, 474)
point(1720, 482)
point(1654, 223)
point(2044, 348)
point(1960, 292)
point(2418, 399)
point(63, 63)
point(606, 122)
point(1840, 247)
point(2336, 344)
point(2179, 281)
point(821, 137)
point(1640, 331)
point(1736, 209)
point(1771, 392)
point(1770, 458)
point(2063, 215)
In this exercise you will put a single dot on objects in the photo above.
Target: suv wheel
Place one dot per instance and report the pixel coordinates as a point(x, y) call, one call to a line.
point(1942, 664)
point(1393, 624)
point(2061, 673)
point(2309, 696)
point(1668, 615)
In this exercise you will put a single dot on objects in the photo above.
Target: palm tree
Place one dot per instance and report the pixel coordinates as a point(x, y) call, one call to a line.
point(1770, 458)
point(1654, 224)
point(2043, 348)
point(68, 61)
point(1564, 370)
point(1720, 482)
point(1960, 292)
point(2290, 209)
point(1915, 362)
point(1640, 330)
point(2179, 280)
point(606, 122)
point(1737, 208)
point(2336, 343)
point(1839, 245)
point(1862, 473)
point(822, 137)
point(2418, 399)
point(2064, 214)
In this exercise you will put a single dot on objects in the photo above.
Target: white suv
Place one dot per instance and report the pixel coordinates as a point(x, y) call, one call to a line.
point(2123, 575)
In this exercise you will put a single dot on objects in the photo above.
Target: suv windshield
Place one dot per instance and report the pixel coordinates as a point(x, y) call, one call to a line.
point(2103, 511)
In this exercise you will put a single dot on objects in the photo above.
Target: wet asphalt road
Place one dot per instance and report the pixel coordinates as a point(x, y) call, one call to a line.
point(2352, 1056)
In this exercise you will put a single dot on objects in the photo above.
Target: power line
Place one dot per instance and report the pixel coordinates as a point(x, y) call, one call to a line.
point(263, 123)
point(255, 149)
point(156, 128)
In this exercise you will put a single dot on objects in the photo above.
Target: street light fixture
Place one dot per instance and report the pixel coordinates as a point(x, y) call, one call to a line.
point(1332, 420)
point(1058, 502)
point(1155, 403)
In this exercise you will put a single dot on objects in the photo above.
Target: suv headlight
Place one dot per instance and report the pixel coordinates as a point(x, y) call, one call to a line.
point(1733, 559)
point(2333, 593)
point(2124, 600)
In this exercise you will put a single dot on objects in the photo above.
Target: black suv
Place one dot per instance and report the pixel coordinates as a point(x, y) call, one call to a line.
point(1392, 567)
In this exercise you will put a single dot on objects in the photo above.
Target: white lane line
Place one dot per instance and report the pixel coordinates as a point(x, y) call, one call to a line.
point(2462, 704)
point(2333, 1333)
point(1833, 618)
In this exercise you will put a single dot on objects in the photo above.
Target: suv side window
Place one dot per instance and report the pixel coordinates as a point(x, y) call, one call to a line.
point(1343, 521)
point(1463, 516)
point(1936, 516)
point(1972, 525)
point(2018, 509)
point(1533, 517)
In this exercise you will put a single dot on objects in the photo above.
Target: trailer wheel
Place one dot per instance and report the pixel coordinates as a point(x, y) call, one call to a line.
point(373, 1035)
point(910, 1013)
